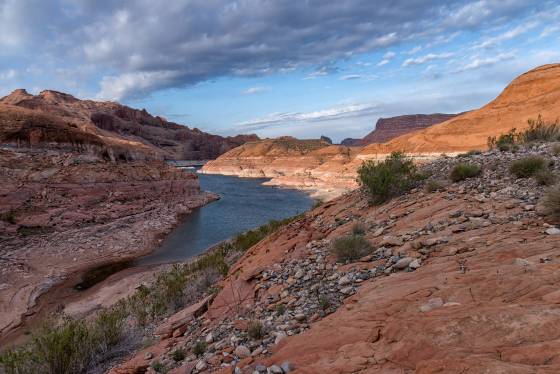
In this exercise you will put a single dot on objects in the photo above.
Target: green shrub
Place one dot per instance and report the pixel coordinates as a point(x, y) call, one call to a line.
point(109, 326)
point(350, 248)
point(390, 178)
point(199, 348)
point(358, 229)
point(463, 171)
point(255, 329)
point(178, 355)
point(433, 185)
point(527, 167)
point(324, 302)
point(504, 142)
point(65, 347)
point(552, 202)
point(158, 367)
point(539, 131)
point(545, 177)
point(280, 309)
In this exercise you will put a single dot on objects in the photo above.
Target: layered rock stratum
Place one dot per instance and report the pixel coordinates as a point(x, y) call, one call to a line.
point(56, 120)
point(390, 128)
point(459, 280)
point(63, 213)
point(534, 93)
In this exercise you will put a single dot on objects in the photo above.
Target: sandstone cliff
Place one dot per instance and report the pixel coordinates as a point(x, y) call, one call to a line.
point(390, 128)
point(533, 93)
point(58, 119)
point(289, 162)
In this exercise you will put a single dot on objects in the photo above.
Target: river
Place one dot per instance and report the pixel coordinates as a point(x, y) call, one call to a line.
point(244, 204)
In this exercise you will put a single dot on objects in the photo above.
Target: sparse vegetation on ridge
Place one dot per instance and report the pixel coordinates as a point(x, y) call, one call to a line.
point(67, 346)
point(464, 170)
point(350, 248)
point(527, 167)
point(538, 131)
point(552, 202)
point(390, 178)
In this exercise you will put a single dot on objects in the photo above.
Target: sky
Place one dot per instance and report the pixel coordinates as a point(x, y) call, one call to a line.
point(304, 68)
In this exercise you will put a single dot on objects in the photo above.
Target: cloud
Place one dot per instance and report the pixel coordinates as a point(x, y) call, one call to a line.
point(508, 35)
point(478, 63)
point(329, 114)
point(255, 90)
point(426, 58)
point(414, 50)
point(387, 57)
point(351, 77)
point(142, 46)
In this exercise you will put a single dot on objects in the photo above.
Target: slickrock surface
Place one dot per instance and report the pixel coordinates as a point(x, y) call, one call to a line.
point(63, 213)
point(55, 119)
point(462, 280)
point(390, 128)
point(534, 93)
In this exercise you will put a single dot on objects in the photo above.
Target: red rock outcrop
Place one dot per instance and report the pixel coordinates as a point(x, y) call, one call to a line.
point(125, 131)
point(480, 298)
point(62, 213)
point(534, 93)
point(390, 128)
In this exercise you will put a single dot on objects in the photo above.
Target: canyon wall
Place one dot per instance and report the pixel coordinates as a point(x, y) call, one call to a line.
point(126, 132)
point(534, 93)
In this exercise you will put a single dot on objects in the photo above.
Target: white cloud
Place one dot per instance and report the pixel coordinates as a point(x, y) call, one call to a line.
point(329, 114)
point(8, 74)
point(478, 63)
point(427, 58)
point(414, 50)
point(387, 57)
point(350, 77)
point(508, 35)
point(549, 30)
point(255, 90)
point(133, 84)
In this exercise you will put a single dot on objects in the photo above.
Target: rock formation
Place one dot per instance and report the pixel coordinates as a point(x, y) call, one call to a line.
point(534, 93)
point(289, 162)
point(62, 213)
point(458, 280)
point(390, 128)
point(58, 119)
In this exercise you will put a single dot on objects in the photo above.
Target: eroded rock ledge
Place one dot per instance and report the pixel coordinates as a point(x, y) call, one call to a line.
point(460, 280)
point(63, 213)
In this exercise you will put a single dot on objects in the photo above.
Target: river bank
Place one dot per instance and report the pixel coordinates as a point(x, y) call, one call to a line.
point(64, 214)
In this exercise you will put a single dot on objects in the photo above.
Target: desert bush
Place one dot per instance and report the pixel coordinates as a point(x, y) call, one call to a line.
point(199, 348)
point(540, 131)
point(527, 167)
point(463, 171)
point(350, 247)
point(556, 150)
point(65, 346)
point(358, 229)
point(108, 327)
point(433, 185)
point(324, 302)
point(551, 202)
point(390, 178)
point(255, 329)
point(178, 355)
point(9, 216)
point(504, 142)
point(280, 309)
point(158, 367)
point(545, 177)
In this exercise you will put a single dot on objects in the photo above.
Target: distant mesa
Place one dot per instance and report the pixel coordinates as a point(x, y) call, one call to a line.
point(392, 127)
